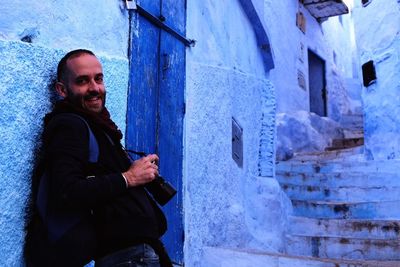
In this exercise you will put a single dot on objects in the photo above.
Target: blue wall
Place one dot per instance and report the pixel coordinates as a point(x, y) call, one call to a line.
point(27, 72)
point(228, 76)
point(377, 34)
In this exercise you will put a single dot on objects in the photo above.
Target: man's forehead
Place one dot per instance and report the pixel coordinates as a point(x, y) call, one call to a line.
point(84, 63)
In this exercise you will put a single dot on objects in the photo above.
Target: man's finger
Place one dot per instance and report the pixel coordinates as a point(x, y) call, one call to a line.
point(153, 158)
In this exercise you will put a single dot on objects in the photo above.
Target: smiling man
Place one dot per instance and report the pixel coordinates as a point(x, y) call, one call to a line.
point(95, 208)
point(80, 81)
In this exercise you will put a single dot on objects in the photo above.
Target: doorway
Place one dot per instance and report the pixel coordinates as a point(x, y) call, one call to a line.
point(317, 84)
point(156, 105)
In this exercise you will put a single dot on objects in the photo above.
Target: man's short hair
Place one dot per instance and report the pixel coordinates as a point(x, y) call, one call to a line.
point(62, 65)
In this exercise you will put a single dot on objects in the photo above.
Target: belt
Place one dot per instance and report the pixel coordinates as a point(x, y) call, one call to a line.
point(138, 253)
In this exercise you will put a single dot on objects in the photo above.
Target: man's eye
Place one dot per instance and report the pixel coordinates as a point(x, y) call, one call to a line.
point(99, 79)
point(81, 81)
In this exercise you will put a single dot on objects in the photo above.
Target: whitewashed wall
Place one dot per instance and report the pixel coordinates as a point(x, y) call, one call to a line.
point(378, 39)
point(225, 205)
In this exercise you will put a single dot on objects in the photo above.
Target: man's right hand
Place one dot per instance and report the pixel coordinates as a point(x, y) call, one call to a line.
point(142, 171)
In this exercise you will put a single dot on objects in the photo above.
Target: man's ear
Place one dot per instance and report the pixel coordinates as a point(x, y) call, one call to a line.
point(61, 89)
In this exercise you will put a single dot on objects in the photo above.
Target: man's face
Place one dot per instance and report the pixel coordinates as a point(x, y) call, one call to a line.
point(83, 85)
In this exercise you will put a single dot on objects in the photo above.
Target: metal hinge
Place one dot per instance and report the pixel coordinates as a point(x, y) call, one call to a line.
point(159, 22)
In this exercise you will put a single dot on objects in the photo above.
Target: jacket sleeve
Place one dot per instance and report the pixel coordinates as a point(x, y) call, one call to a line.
point(67, 152)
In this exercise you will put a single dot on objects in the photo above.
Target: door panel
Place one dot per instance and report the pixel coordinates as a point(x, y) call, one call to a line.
point(156, 104)
point(316, 72)
point(143, 86)
point(172, 71)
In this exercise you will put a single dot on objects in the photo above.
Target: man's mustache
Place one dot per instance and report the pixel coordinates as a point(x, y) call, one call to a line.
point(92, 94)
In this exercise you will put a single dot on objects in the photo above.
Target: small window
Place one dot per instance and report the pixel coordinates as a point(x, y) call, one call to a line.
point(366, 2)
point(369, 74)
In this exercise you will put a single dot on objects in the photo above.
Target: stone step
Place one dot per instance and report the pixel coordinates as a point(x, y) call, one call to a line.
point(338, 179)
point(343, 248)
point(347, 210)
point(353, 133)
point(351, 117)
point(229, 257)
point(376, 229)
point(349, 193)
point(331, 166)
point(329, 155)
point(344, 143)
point(352, 121)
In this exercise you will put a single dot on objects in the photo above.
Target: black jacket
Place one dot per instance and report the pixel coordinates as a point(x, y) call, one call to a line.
point(119, 216)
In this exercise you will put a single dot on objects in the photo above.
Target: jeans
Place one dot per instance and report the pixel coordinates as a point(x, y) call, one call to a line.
point(137, 256)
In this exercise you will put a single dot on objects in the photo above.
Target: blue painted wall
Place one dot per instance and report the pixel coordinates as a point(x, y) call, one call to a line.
point(48, 30)
point(227, 76)
point(381, 99)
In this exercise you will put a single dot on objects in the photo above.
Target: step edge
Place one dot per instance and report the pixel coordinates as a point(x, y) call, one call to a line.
point(354, 173)
point(319, 202)
point(341, 186)
point(303, 257)
point(343, 220)
point(397, 240)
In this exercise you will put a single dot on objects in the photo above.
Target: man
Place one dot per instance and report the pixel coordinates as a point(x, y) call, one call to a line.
point(118, 221)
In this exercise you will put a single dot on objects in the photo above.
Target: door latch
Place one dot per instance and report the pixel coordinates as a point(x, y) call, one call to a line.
point(131, 4)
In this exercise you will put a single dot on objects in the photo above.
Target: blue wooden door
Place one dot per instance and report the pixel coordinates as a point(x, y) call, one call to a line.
point(156, 102)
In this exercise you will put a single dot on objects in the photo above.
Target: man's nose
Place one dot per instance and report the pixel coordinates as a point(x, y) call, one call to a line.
point(94, 86)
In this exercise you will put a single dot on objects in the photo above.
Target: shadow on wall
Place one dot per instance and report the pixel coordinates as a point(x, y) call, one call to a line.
point(37, 159)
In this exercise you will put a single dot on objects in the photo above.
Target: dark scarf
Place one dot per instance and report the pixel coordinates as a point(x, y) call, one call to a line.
point(102, 119)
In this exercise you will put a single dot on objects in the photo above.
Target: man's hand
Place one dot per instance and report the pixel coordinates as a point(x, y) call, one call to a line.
point(142, 171)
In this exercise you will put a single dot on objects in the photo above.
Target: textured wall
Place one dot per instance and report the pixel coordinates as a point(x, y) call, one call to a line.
point(67, 24)
point(228, 206)
point(23, 100)
point(27, 72)
point(378, 38)
point(47, 29)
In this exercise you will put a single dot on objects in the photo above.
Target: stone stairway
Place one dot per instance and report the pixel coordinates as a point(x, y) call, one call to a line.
point(344, 207)
point(353, 131)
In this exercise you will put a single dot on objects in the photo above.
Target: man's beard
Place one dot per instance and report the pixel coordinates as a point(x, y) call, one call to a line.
point(83, 101)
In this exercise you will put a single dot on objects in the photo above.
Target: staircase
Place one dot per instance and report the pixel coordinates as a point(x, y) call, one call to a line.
point(353, 130)
point(345, 209)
